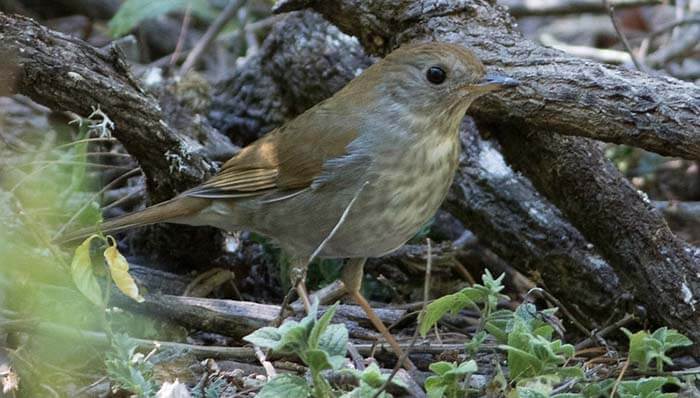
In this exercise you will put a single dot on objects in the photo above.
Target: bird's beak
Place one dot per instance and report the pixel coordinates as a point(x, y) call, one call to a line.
point(493, 82)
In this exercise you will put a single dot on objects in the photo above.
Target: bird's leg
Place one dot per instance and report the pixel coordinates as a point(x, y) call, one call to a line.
point(297, 276)
point(352, 279)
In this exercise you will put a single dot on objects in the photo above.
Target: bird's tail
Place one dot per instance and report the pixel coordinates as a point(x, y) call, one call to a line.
point(168, 211)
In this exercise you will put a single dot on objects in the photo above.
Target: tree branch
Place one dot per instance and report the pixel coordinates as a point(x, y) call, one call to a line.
point(66, 74)
point(558, 92)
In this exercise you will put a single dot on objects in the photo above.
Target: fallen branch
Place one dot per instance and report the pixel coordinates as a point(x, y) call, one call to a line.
point(237, 318)
point(66, 74)
point(522, 8)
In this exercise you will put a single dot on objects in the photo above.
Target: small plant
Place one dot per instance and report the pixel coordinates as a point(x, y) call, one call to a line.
point(371, 381)
point(320, 345)
point(130, 370)
point(531, 350)
point(486, 294)
point(645, 347)
point(647, 388)
point(449, 379)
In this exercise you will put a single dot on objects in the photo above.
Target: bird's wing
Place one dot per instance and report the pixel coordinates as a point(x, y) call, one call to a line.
point(287, 159)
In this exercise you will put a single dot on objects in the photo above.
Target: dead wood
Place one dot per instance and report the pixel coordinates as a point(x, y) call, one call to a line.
point(559, 93)
point(66, 74)
point(239, 318)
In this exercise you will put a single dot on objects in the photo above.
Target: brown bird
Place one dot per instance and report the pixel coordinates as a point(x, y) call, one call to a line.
point(353, 177)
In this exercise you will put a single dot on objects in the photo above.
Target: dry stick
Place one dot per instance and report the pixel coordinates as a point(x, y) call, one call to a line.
point(566, 312)
point(619, 378)
point(236, 353)
point(356, 357)
point(269, 369)
point(135, 194)
point(183, 33)
point(228, 12)
point(644, 47)
point(426, 293)
point(623, 38)
point(603, 332)
point(252, 27)
point(519, 8)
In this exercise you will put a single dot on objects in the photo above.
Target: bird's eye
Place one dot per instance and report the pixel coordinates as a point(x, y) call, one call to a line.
point(436, 75)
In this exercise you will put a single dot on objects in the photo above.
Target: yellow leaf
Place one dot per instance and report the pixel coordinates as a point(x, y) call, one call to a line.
point(119, 269)
point(83, 275)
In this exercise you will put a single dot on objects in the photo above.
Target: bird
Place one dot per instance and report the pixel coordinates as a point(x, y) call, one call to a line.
point(355, 176)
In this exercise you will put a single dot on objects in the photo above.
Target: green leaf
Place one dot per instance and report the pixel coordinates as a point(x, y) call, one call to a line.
point(645, 347)
point(465, 368)
point(521, 363)
point(435, 387)
point(440, 368)
point(497, 332)
point(373, 376)
point(438, 308)
point(570, 372)
point(320, 326)
point(294, 338)
point(334, 340)
point(83, 273)
point(318, 360)
point(638, 351)
point(285, 386)
point(472, 347)
point(133, 12)
point(267, 337)
point(675, 339)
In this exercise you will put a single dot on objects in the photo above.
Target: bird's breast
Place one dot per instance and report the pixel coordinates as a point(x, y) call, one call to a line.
point(408, 189)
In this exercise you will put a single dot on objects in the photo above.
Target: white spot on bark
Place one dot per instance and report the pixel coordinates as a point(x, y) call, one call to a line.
point(688, 296)
point(76, 77)
point(492, 160)
point(232, 243)
point(644, 196)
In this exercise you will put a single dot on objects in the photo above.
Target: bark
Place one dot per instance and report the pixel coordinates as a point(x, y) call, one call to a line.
point(286, 77)
point(558, 92)
point(503, 209)
point(173, 146)
point(240, 318)
point(564, 95)
point(659, 268)
point(66, 74)
point(528, 232)
point(520, 8)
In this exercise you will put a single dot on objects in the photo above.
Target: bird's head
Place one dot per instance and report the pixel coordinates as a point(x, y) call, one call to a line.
point(433, 78)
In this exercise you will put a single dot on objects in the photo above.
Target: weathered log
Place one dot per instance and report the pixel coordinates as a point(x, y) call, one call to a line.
point(558, 93)
point(66, 74)
point(239, 318)
point(528, 232)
